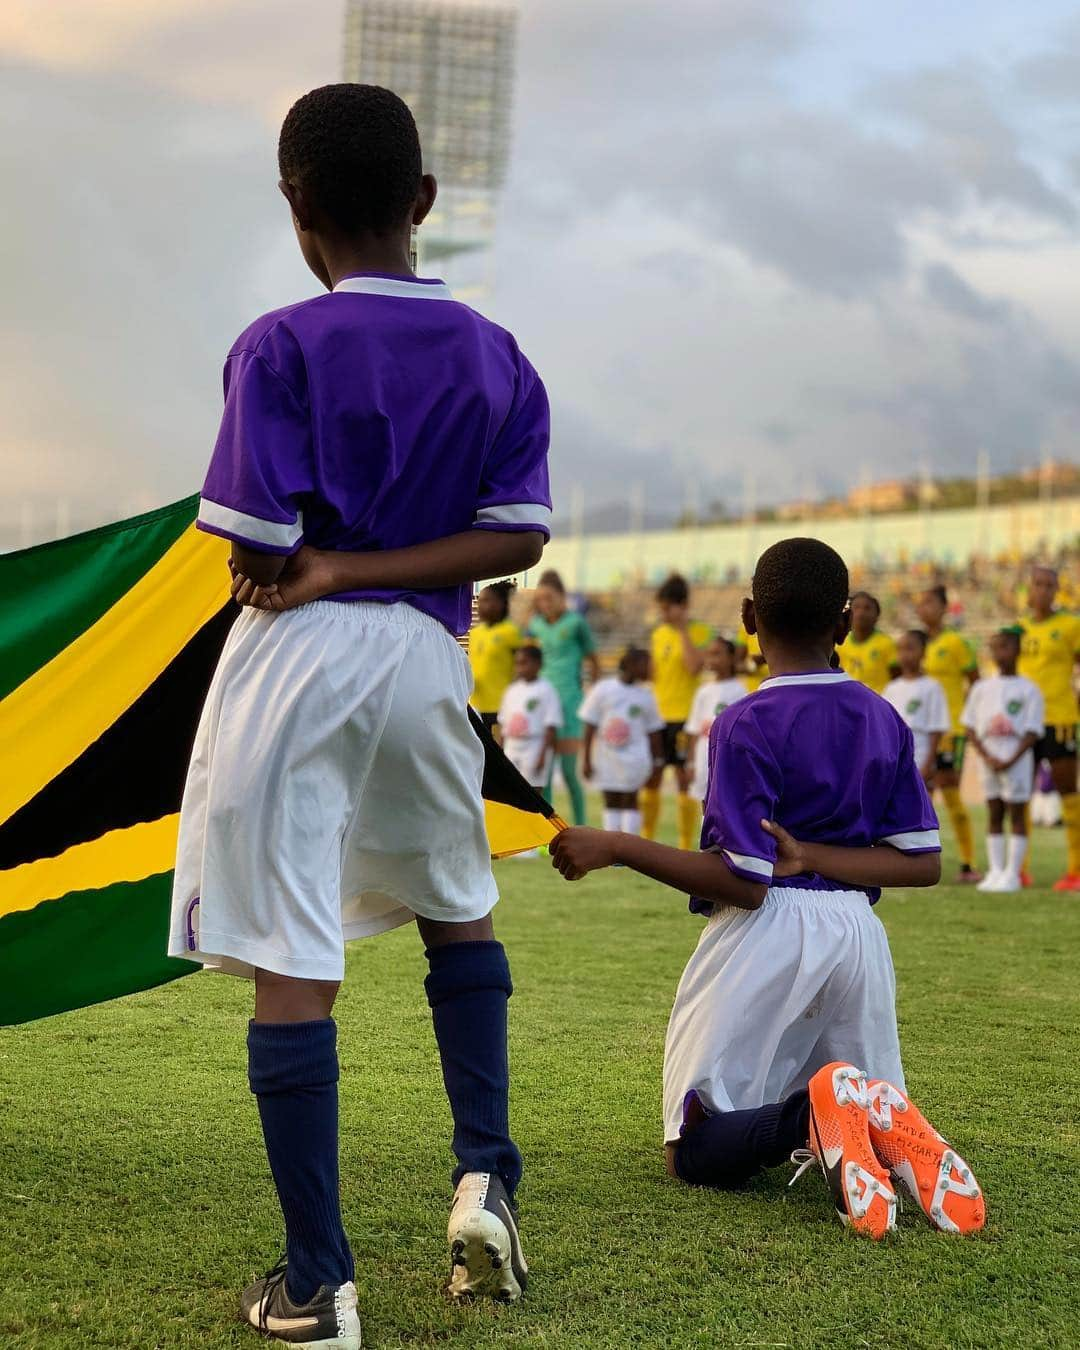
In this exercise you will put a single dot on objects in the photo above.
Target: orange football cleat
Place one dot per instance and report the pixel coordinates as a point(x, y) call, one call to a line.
point(1069, 882)
point(927, 1166)
point(1026, 879)
point(840, 1142)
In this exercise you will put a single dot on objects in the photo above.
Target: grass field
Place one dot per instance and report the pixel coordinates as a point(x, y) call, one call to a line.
point(135, 1198)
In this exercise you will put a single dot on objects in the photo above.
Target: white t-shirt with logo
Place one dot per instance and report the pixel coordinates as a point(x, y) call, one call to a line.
point(921, 702)
point(709, 702)
point(624, 715)
point(528, 709)
point(1002, 710)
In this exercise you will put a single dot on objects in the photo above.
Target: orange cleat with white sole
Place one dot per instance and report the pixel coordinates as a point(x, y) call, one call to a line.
point(927, 1166)
point(840, 1142)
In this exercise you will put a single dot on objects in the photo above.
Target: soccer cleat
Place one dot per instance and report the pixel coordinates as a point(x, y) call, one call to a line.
point(840, 1142)
point(1000, 883)
point(1069, 882)
point(485, 1249)
point(1026, 879)
point(968, 876)
point(328, 1319)
point(929, 1168)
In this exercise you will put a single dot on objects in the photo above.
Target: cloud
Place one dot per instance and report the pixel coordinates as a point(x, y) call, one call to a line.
point(721, 267)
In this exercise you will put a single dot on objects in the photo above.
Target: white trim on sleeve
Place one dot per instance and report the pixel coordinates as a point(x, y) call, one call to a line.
point(515, 513)
point(761, 867)
point(275, 534)
point(911, 840)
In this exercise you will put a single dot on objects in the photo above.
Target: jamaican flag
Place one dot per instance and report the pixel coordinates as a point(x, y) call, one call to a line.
point(108, 641)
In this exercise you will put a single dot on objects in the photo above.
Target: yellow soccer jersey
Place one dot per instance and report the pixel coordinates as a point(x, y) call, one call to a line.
point(491, 655)
point(949, 659)
point(753, 674)
point(673, 684)
point(869, 662)
point(1048, 651)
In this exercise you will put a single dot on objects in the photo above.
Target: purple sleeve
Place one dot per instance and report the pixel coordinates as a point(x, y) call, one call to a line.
point(909, 822)
point(744, 790)
point(514, 492)
point(262, 462)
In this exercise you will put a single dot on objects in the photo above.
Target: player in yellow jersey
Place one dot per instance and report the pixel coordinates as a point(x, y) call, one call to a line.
point(867, 655)
point(678, 658)
point(751, 662)
point(492, 644)
point(1049, 650)
point(951, 661)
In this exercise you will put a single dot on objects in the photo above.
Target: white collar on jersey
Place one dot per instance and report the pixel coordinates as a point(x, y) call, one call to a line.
point(814, 677)
point(414, 289)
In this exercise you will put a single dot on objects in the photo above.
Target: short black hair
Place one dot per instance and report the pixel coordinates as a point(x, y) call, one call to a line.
point(355, 151)
point(726, 643)
point(919, 636)
point(674, 591)
point(800, 588)
point(940, 592)
point(532, 651)
point(865, 595)
point(631, 655)
point(552, 580)
point(502, 591)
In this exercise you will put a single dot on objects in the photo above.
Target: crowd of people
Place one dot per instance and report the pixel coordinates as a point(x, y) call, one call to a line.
point(539, 685)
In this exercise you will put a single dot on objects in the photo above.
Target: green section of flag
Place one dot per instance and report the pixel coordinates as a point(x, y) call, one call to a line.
point(86, 947)
point(53, 592)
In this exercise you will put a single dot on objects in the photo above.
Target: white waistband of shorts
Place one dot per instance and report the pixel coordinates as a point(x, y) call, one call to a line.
point(365, 613)
point(802, 895)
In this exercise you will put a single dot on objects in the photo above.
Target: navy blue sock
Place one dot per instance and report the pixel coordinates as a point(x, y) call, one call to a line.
point(293, 1071)
point(729, 1148)
point(467, 987)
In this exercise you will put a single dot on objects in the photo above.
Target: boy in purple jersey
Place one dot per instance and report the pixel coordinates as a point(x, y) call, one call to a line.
point(814, 803)
point(384, 446)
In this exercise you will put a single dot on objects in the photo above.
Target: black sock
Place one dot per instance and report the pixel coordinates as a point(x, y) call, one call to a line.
point(467, 987)
point(293, 1071)
point(729, 1148)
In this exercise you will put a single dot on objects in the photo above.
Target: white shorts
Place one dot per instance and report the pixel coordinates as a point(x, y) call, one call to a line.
point(617, 771)
point(333, 791)
point(1014, 784)
point(523, 754)
point(772, 995)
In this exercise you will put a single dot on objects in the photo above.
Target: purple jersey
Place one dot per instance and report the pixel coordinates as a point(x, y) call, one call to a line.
point(826, 758)
point(381, 415)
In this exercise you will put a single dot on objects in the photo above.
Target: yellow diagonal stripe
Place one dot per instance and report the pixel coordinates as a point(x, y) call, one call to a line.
point(50, 719)
point(121, 855)
point(512, 831)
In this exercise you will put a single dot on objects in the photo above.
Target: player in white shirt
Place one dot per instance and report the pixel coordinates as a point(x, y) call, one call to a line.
point(722, 689)
point(920, 700)
point(1004, 717)
point(530, 715)
point(623, 739)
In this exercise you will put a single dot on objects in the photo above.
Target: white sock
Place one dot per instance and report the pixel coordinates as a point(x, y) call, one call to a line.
point(631, 822)
point(612, 819)
point(995, 848)
point(1017, 854)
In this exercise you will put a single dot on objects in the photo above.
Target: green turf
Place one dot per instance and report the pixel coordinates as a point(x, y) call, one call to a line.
point(135, 1197)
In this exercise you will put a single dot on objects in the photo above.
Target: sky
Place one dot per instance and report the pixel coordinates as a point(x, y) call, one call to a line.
point(753, 246)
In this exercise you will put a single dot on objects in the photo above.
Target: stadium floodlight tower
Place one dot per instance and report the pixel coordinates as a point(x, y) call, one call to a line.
point(452, 61)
